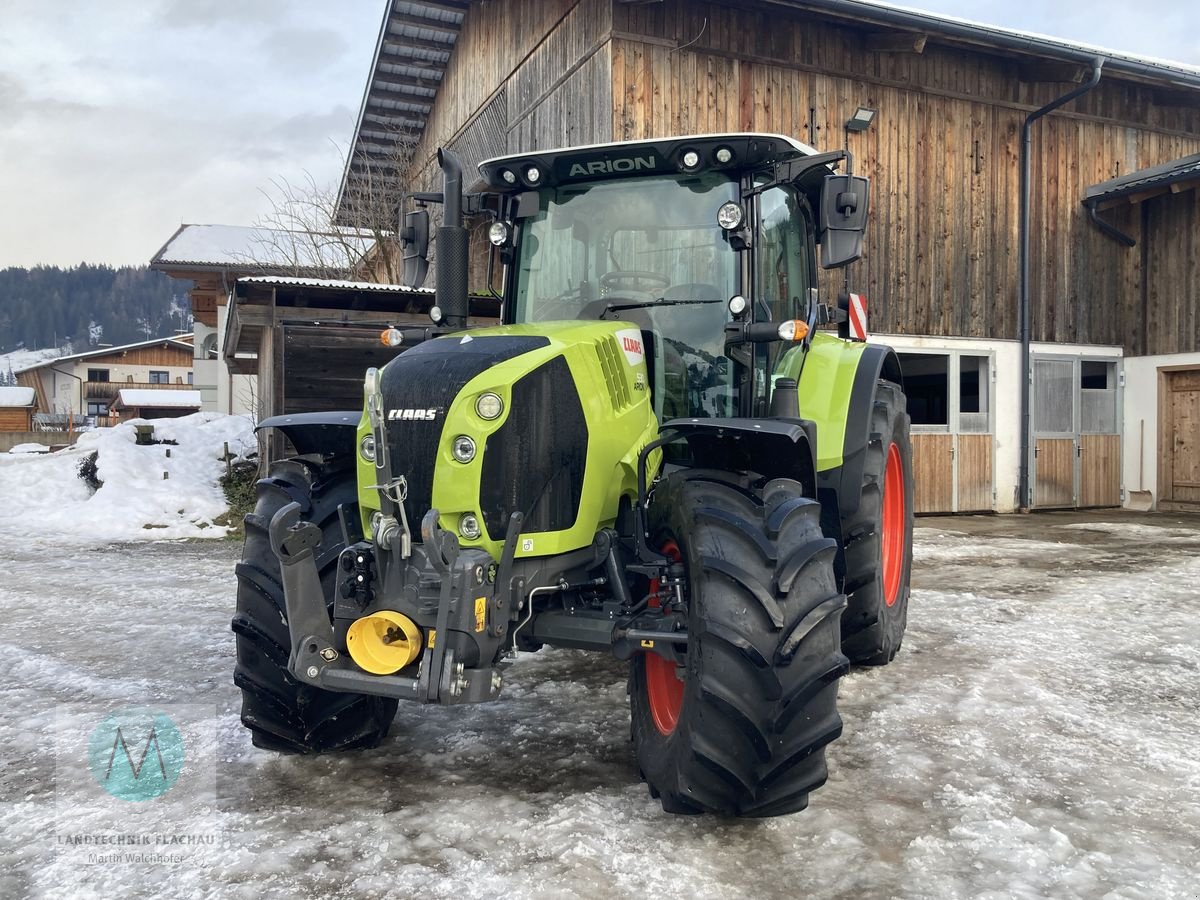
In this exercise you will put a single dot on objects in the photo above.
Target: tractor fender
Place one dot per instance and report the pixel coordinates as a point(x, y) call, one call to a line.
point(859, 368)
point(324, 433)
point(773, 448)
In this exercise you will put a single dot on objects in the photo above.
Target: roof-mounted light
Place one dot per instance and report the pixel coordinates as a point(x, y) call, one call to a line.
point(723, 155)
point(508, 176)
point(533, 175)
point(690, 160)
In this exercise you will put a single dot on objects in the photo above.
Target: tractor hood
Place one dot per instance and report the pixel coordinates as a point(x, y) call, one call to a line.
point(574, 408)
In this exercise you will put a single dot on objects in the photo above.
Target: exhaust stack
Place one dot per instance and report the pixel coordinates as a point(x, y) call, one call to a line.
point(452, 246)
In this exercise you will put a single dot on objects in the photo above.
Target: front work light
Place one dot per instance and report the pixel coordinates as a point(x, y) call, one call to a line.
point(499, 234)
point(367, 448)
point(730, 216)
point(468, 527)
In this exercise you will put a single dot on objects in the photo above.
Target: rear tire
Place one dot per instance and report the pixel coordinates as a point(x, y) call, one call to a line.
point(878, 537)
point(759, 693)
point(282, 713)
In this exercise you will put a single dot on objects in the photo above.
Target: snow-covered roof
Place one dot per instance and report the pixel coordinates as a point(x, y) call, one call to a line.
point(150, 397)
point(333, 284)
point(16, 396)
point(252, 247)
point(177, 342)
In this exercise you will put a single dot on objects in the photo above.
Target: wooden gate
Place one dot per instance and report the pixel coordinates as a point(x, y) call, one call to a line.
point(1179, 440)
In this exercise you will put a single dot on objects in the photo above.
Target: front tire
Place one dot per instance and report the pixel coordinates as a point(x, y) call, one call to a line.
point(283, 714)
point(743, 732)
point(878, 537)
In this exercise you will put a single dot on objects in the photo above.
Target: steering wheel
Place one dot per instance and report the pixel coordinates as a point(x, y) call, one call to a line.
point(632, 279)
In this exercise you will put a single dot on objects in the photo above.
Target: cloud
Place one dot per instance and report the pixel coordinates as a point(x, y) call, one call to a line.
point(114, 128)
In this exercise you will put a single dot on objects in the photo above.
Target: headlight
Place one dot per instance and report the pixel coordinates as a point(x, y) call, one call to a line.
point(489, 406)
point(367, 448)
point(468, 527)
point(463, 449)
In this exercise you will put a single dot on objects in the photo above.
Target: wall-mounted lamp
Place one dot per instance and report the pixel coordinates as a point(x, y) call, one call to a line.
point(861, 120)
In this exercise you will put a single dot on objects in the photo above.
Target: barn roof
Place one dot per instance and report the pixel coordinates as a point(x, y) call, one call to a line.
point(1156, 179)
point(250, 247)
point(417, 38)
point(332, 284)
point(411, 55)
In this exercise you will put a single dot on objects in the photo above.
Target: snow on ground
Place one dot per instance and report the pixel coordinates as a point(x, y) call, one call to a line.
point(1036, 737)
point(43, 499)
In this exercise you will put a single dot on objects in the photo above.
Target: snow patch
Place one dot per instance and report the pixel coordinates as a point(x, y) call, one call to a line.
point(148, 493)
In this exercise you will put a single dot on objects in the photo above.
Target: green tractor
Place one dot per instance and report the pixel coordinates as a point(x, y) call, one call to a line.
point(666, 452)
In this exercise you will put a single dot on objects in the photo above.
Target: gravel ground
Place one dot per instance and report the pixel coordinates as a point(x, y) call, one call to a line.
point(1037, 736)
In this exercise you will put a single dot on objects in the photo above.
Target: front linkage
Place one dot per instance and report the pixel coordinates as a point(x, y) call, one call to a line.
point(468, 597)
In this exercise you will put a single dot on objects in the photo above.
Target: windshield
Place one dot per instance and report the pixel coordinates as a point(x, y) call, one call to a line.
point(647, 251)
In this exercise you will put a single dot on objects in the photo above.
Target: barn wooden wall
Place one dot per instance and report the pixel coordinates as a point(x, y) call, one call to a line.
point(1172, 292)
point(943, 156)
point(943, 152)
point(523, 76)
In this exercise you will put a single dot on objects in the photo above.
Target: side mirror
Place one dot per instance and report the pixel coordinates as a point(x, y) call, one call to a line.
point(843, 219)
point(414, 241)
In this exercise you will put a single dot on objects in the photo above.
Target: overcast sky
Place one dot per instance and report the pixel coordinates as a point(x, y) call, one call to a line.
point(123, 118)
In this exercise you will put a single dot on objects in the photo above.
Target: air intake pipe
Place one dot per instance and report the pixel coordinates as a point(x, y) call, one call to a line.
point(453, 246)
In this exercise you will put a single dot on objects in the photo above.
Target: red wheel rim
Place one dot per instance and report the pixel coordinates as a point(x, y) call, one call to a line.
point(893, 525)
point(664, 688)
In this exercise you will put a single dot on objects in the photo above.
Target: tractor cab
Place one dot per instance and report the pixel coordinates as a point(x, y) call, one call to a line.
point(673, 236)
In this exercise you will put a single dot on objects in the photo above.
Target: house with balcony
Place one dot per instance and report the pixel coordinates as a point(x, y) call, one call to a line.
point(87, 385)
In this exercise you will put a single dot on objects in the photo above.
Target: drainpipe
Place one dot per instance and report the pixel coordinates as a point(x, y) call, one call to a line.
point(1111, 231)
point(1025, 497)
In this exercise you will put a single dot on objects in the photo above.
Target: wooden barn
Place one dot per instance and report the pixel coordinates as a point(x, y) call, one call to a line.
point(1107, 275)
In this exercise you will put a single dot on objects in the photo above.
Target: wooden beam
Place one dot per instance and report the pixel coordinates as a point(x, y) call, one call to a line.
point(1150, 194)
point(458, 6)
point(437, 25)
point(1052, 71)
point(409, 41)
point(410, 83)
point(1180, 186)
point(420, 104)
point(895, 42)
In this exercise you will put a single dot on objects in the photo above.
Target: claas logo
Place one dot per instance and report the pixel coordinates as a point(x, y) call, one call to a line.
point(631, 345)
point(412, 415)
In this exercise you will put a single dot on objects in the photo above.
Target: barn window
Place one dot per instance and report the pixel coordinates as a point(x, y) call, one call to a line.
point(97, 374)
point(927, 386)
point(1097, 397)
point(973, 384)
point(160, 377)
point(97, 409)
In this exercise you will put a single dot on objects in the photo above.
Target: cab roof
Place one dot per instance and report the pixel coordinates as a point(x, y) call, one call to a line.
point(656, 156)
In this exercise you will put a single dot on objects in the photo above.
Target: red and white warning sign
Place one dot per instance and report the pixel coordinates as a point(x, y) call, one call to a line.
point(858, 317)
